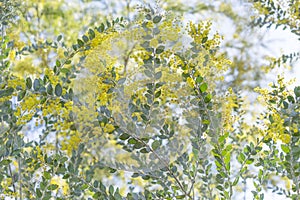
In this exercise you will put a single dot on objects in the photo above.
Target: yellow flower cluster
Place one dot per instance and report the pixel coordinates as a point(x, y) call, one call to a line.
point(53, 78)
point(27, 109)
point(200, 34)
point(260, 8)
point(62, 184)
point(102, 39)
point(169, 31)
point(51, 107)
point(40, 155)
point(6, 184)
point(71, 141)
point(190, 82)
point(107, 128)
point(276, 130)
point(24, 66)
point(228, 104)
point(16, 82)
point(280, 89)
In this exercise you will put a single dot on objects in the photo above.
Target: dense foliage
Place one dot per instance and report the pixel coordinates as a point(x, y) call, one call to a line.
point(137, 103)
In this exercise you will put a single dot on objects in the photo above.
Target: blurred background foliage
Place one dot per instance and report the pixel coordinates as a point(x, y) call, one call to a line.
point(44, 156)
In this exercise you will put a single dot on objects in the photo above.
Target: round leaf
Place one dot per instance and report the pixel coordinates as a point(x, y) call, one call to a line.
point(58, 90)
point(157, 19)
point(155, 144)
point(28, 83)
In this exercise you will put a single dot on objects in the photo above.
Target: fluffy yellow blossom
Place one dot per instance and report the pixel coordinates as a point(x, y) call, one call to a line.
point(70, 143)
point(108, 128)
point(190, 82)
point(12, 55)
point(285, 138)
point(62, 184)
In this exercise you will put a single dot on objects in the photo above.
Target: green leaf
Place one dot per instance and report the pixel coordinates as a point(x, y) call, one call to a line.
point(50, 89)
point(58, 64)
point(160, 49)
point(147, 107)
point(285, 105)
point(157, 19)
point(85, 38)
point(180, 196)
point(59, 38)
point(47, 175)
point(297, 91)
point(84, 186)
point(134, 175)
point(5, 162)
point(67, 62)
point(52, 187)
point(121, 81)
point(66, 176)
point(146, 177)
point(250, 161)
point(96, 184)
point(158, 75)
point(75, 47)
point(36, 84)
point(91, 34)
point(71, 94)
point(145, 44)
point(148, 17)
point(38, 193)
point(132, 141)
point(148, 73)
point(80, 43)
point(155, 144)
point(291, 99)
point(204, 40)
point(21, 95)
point(7, 92)
point(285, 148)
point(144, 117)
point(138, 145)
point(124, 136)
point(28, 83)
point(111, 190)
point(207, 98)
point(108, 24)
point(58, 90)
point(241, 158)
point(203, 87)
point(235, 182)
point(80, 148)
point(117, 195)
point(101, 28)
point(157, 94)
point(144, 150)
point(65, 70)
point(219, 187)
point(199, 79)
